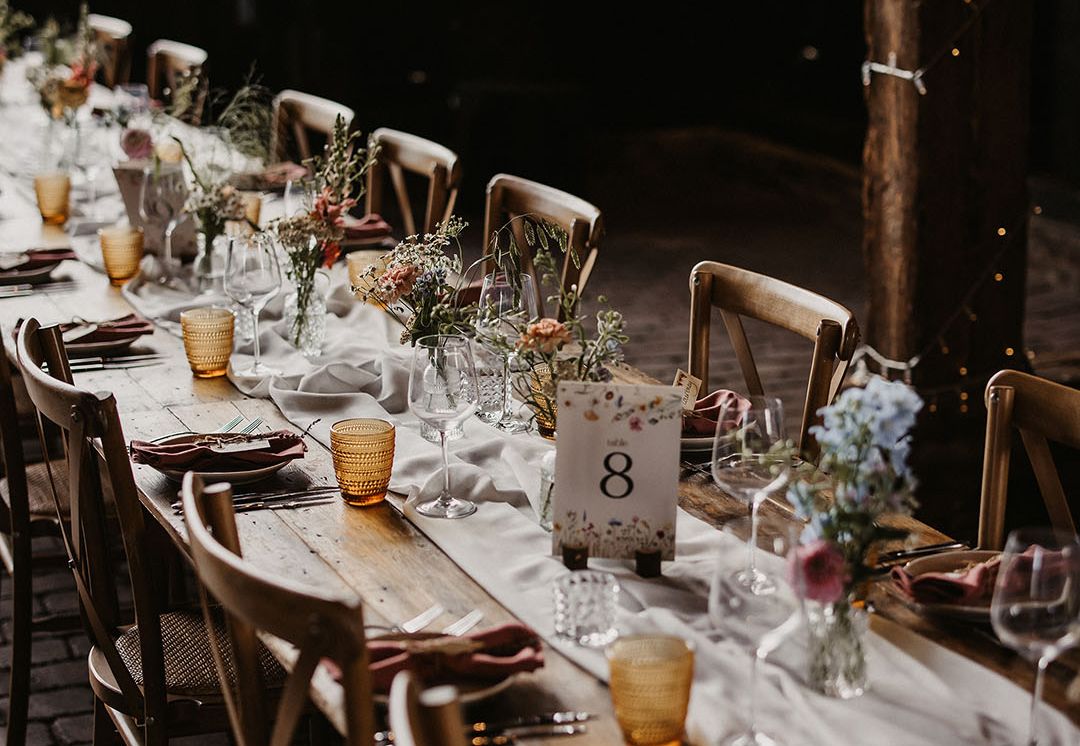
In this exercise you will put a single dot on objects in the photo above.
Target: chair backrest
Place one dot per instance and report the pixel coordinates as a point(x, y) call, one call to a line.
point(425, 717)
point(318, 624)
point(510, 198)
point(113, 38)
point(1042, 411)
point(167, 62)
point(739, 292)
point(400, 152)
point(89, 423)
point(296, 115)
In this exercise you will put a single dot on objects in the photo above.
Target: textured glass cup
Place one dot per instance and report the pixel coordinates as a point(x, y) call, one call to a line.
point(358, 262)
point(585, 604)
point(121, 251)
point(52, 191)
point(363, 451)
point(208, 340)
point(650, 687)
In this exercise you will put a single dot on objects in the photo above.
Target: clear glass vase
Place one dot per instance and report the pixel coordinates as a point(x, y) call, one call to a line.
point(836, 656)
point(305, 315)
point(209, 267)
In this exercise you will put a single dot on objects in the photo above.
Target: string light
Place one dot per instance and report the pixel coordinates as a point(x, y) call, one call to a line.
point(963, 396)
point(998, 277)
point(1009, 351)
point(963, 370)
point(1037, 209)
point(1002, 231)
point(955, 52)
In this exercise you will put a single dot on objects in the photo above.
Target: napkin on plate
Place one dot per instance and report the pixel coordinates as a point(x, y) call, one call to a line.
point(971, 586)
point(198, 452)
point(274, 176)
point(132, 325)
point(368, 229)
point(488, 655)
point(34, 259)
point(702, 423)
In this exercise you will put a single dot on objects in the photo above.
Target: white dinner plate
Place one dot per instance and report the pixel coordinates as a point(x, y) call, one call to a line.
point(246, 476)
point(951, 562)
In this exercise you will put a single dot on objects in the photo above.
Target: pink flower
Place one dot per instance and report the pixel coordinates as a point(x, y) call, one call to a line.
point(397, 282)
point(82, 73)
point(546, 335)
point(137, 144)
point(635, 424)
point(331, 213)
point(821, 569)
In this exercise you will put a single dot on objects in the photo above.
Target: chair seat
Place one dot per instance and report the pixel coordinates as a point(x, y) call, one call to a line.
point(189, 662)
point(40, 493)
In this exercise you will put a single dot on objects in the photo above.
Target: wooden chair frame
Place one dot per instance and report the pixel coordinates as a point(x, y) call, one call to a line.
point(297, 114)
point(425, 717)
point(318, 624)
point(400, 152)
point(114, 37)
point(91, 425)
point(166, 61)
point(511, 197)
point(739, 292)
point(1042, 411)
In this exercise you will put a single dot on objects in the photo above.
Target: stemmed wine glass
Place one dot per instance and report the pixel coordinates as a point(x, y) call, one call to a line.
point(252, 278)
point(757, 621)
point(443, 393)
point(161, 200)
point(505, 303)
point(1036, 600)
point(751, 459)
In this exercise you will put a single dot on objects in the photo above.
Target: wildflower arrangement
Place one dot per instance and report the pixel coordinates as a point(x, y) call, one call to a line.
point(865, 443)
point(12, 23)
point(419, 281)
point(63, 80)
point(312, 240)
point(213, 203)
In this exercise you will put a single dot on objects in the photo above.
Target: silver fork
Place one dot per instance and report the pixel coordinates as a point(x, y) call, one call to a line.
point(463, 625)
point(226, 428)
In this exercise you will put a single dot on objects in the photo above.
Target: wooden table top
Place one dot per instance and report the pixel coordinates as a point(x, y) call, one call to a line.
point(378, 554)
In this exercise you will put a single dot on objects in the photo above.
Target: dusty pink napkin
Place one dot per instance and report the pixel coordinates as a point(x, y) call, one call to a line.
point(702, 423)
point(197, 453)
point(973, 586)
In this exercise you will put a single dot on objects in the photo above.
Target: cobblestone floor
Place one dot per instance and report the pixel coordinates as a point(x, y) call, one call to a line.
point(730, 199)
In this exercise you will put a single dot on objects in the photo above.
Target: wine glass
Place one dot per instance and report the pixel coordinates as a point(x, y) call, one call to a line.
point(92, 154)
point(300, 195)
point(750, 459)
point(1036, 600)
point(506, 302)
point(442, 392)
point(252, 278)
point(757, 621)
point(161, 200)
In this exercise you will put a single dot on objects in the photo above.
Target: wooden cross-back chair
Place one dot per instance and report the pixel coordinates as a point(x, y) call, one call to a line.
point(320, 625)
point(295, 116)
point(167, 62)
point(509, 198)
point(425, 717)
point(113, 38)
point(739, 292)
point(400, 152)
point(153, 680)
point(1042, 411)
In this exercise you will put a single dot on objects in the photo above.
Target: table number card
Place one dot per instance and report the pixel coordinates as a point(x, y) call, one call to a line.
point(617, 468)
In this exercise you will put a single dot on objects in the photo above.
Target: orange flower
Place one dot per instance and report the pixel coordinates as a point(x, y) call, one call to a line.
point(331, 252)
point(546, 335)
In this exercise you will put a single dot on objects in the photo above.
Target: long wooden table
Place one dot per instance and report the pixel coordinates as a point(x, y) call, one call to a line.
point(375, 552)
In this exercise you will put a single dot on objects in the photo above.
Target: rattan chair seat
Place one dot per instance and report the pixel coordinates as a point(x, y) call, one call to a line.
point(40, 494)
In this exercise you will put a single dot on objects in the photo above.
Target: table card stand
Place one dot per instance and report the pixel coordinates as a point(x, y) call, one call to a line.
point(617, 460)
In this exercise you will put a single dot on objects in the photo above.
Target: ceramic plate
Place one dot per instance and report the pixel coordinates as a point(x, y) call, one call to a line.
point(950, 562)
point(696, 444)
point(29, 276)
point(104, 347)
point(234, 477)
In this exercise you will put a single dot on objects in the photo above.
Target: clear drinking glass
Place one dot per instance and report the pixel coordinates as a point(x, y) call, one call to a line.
point(750, 459)
point(92, 155)
point(161, 200)
point(442, 393)
point(585, 605)
point(506, 302)
point(756, 619)
point(252, 278)
point(1035, 609)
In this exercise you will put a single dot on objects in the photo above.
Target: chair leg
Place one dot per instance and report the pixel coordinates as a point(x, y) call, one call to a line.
point(21, 614)
point(104, 731)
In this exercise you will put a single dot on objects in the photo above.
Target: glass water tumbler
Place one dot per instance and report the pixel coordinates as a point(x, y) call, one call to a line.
point(358, 262)
point(52, 191)
point(363, 452)
point(585, 605)
point(121, 251)
point(650, 687)
point(208, 340)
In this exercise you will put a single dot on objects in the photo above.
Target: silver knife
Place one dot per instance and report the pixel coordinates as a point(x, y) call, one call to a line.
point(509, 737)
point(526, 721)
point(889, 558)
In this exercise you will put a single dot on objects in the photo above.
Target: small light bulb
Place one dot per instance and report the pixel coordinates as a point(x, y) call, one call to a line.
point(933, 407)
point(955, 52)
point(1037, 209)
point(963, 408)
point(1001, 231)
point(963, 396)
point(963, 370)
point(1009, 351)
point(998, 277)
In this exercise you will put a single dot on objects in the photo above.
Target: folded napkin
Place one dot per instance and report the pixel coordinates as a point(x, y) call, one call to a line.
point(702, 422)
point(34, 259)
point(124, 327)
point(970, 586)
point(488, 655)
point(370, 228)
point(198, 452)
point(274, 176)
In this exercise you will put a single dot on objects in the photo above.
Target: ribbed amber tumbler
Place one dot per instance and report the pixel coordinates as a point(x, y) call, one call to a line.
point(358, 262)
point(650, 687)
point(121, 251)
point(52, 192)
point(363, 451)
point(208, 340)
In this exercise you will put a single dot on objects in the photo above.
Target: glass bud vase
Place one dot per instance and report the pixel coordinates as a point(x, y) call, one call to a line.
point(305, 315)
point(209, 267)
point(836, 657)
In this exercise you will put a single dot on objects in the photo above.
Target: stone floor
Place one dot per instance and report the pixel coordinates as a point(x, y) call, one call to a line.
point(728, 198)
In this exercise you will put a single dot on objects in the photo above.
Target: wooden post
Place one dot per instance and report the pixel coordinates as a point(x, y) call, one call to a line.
point(945, 200)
